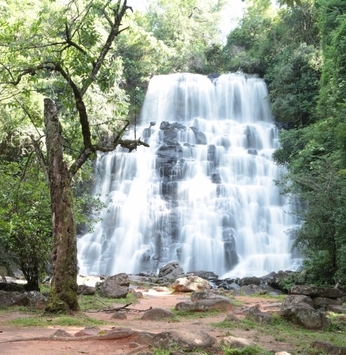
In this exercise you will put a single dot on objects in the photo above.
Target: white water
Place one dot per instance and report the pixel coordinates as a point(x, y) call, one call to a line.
point(211, 206)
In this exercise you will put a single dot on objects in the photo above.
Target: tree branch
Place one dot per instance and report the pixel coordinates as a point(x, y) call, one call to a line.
point(118, 13)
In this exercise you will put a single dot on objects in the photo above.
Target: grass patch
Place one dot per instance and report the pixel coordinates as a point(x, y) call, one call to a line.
point(247, 350)
point(97, 302)
point(194, 315)
point(282, 330)
point(78, 320)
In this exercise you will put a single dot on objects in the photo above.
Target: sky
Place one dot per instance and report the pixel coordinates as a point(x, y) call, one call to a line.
point(234, 10)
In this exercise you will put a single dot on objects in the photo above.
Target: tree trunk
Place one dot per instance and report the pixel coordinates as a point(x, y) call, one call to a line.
point(63, 294)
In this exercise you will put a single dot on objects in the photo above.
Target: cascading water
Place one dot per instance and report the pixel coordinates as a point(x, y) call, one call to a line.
point(203, 193)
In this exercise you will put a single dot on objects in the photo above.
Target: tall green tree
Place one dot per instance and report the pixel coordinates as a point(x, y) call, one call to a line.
point(62, 51)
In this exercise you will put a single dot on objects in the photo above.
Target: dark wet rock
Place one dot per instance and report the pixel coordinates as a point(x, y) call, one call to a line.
point(11, 287)
point(157, 314)
point(199, 136)
point(252, 151)
point(246, 281)
point(171, 271)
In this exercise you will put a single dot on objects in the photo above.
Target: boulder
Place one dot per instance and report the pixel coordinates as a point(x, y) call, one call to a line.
point(171, 271)
point(324, 302)
point(327, 348)
point(13, 298)
point(254, 313)
point(86, 290)
point(246, 281)
point(110, 288)
point(190, 284)
point(121, 279)
point(305, 315)
point(185, 340)
point(313, 291)
point(293, 300)
point(205, 305)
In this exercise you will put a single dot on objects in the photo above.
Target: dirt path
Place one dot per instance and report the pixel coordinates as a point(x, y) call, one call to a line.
point(38, 340)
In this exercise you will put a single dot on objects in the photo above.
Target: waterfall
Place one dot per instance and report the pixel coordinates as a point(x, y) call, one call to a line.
point(203, 193)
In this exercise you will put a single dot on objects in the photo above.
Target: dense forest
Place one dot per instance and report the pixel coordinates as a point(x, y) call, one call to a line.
point(93, 60)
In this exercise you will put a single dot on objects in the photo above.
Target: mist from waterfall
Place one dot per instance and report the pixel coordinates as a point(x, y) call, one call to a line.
point(203, 194)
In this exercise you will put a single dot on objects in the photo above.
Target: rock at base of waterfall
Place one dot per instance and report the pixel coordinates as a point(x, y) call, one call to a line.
point(190, 284)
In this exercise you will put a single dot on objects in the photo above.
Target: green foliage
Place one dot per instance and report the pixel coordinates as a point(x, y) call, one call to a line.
point(25, 219)
point(294, 84)
point(295, 278)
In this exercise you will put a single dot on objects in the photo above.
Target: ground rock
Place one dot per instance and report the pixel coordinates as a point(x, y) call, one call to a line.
point(329, 349)
point(184, 340)
point(233, 342)
point(110, 288)
point(157, 314)
point(205, 305)
point(254, 313)
point(90, 331)
point(117, 333)
point(316, 291)
point(86, 290)
point(60, 333)
point(232, 318)
point(119, 315)
point(190, 284)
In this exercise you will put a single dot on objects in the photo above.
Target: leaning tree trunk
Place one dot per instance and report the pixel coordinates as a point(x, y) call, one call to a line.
point(63, 294)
